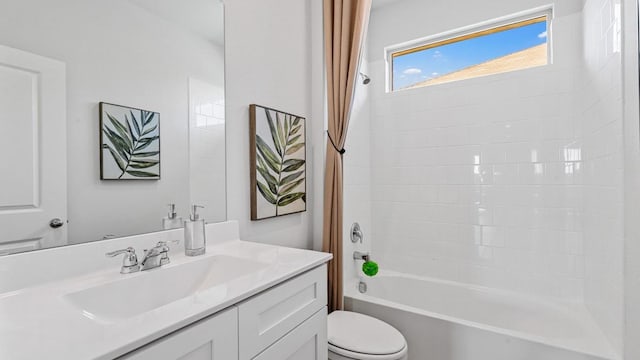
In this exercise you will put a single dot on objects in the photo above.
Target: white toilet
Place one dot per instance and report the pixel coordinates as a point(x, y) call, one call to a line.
point(354, 336)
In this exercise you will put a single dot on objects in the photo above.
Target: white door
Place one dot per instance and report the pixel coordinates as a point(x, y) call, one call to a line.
point(215, 338)
point(33, 169)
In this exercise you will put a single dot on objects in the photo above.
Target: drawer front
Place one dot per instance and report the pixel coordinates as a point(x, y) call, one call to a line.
point(306, 342)
point(214, 338)
point(268, 316)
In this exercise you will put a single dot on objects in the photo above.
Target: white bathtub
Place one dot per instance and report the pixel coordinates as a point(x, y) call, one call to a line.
point(451, 321)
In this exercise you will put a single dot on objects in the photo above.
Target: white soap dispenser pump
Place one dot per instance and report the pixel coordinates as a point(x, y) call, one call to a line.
point(195, 241)
point(172, 220)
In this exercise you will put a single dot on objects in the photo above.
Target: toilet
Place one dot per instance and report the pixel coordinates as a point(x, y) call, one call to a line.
point(355, 336)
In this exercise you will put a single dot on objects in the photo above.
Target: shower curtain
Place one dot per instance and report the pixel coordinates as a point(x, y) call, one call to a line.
point(345, 23)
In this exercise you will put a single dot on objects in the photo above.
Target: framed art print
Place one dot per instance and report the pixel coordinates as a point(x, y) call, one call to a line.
point(129, 143)
point(278, 163)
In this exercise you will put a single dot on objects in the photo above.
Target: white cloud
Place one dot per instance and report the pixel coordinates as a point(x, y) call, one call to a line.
point(437, 54)
point(542, 35)
point(412, 71)
point(435, 74)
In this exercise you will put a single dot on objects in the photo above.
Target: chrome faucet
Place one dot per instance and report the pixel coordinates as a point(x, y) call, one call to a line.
point(156, 256)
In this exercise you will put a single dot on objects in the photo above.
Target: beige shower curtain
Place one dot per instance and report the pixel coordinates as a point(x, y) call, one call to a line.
point(345, 23)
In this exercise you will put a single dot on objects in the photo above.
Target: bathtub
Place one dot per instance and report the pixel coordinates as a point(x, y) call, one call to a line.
point(445, 320)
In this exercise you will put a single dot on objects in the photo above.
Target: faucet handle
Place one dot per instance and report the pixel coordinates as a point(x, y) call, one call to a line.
point(356, 233)
point(128, 250)
point(129, 262)
point(164, 245)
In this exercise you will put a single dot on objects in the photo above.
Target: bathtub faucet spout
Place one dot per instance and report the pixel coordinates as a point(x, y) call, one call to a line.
point(357, 255)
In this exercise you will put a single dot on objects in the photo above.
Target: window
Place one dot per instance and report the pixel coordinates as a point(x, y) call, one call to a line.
point(498, 47)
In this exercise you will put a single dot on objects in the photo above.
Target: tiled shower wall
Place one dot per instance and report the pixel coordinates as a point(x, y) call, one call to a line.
point(511, 181)
point(479, 181)
point(600, 117)
point(357, 181)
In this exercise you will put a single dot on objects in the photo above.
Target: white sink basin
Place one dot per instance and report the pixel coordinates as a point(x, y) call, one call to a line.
point(138, 293)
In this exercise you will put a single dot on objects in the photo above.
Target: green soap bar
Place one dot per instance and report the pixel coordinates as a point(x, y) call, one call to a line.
point(370, 268)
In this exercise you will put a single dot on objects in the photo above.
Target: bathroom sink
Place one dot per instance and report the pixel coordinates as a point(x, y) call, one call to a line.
point(145, 291)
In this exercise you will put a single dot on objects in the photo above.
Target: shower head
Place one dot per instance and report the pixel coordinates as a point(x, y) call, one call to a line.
point(365, 79)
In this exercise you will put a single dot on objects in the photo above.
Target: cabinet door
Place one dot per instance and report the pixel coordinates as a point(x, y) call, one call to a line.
point(214, 338)
point(267, 317)
point(308, 341)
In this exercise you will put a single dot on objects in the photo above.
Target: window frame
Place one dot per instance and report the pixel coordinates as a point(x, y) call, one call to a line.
point(469, 32)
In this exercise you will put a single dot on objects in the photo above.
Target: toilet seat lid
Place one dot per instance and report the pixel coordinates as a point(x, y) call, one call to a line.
point(363, 334)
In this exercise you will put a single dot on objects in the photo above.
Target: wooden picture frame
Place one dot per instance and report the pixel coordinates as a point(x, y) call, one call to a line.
point(278, 167)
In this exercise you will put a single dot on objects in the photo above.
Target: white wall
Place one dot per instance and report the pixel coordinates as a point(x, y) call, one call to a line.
point(268, 62)
point(476, 181)
point(631, 127)
point(600, 112)
point(318, 113)
point(116, 52)
point(207, 144)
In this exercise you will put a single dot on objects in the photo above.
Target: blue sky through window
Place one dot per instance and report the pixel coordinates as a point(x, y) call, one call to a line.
point(427, 64)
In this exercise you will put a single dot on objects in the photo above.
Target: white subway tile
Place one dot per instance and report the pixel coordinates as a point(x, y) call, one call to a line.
point(512, 181)
point(494, 236)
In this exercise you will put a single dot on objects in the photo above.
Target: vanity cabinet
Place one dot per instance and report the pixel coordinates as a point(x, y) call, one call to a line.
point(214, 338)
point(287, 321)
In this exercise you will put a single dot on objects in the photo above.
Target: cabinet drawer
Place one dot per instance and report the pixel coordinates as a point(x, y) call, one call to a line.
point(308, 341)
point(213, 338)
point(267, 317)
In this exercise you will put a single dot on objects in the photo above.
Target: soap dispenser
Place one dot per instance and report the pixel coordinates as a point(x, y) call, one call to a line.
point(195, 240)
point(172, 220)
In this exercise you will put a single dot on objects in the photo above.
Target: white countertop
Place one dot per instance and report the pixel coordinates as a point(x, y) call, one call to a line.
point(38, 322)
